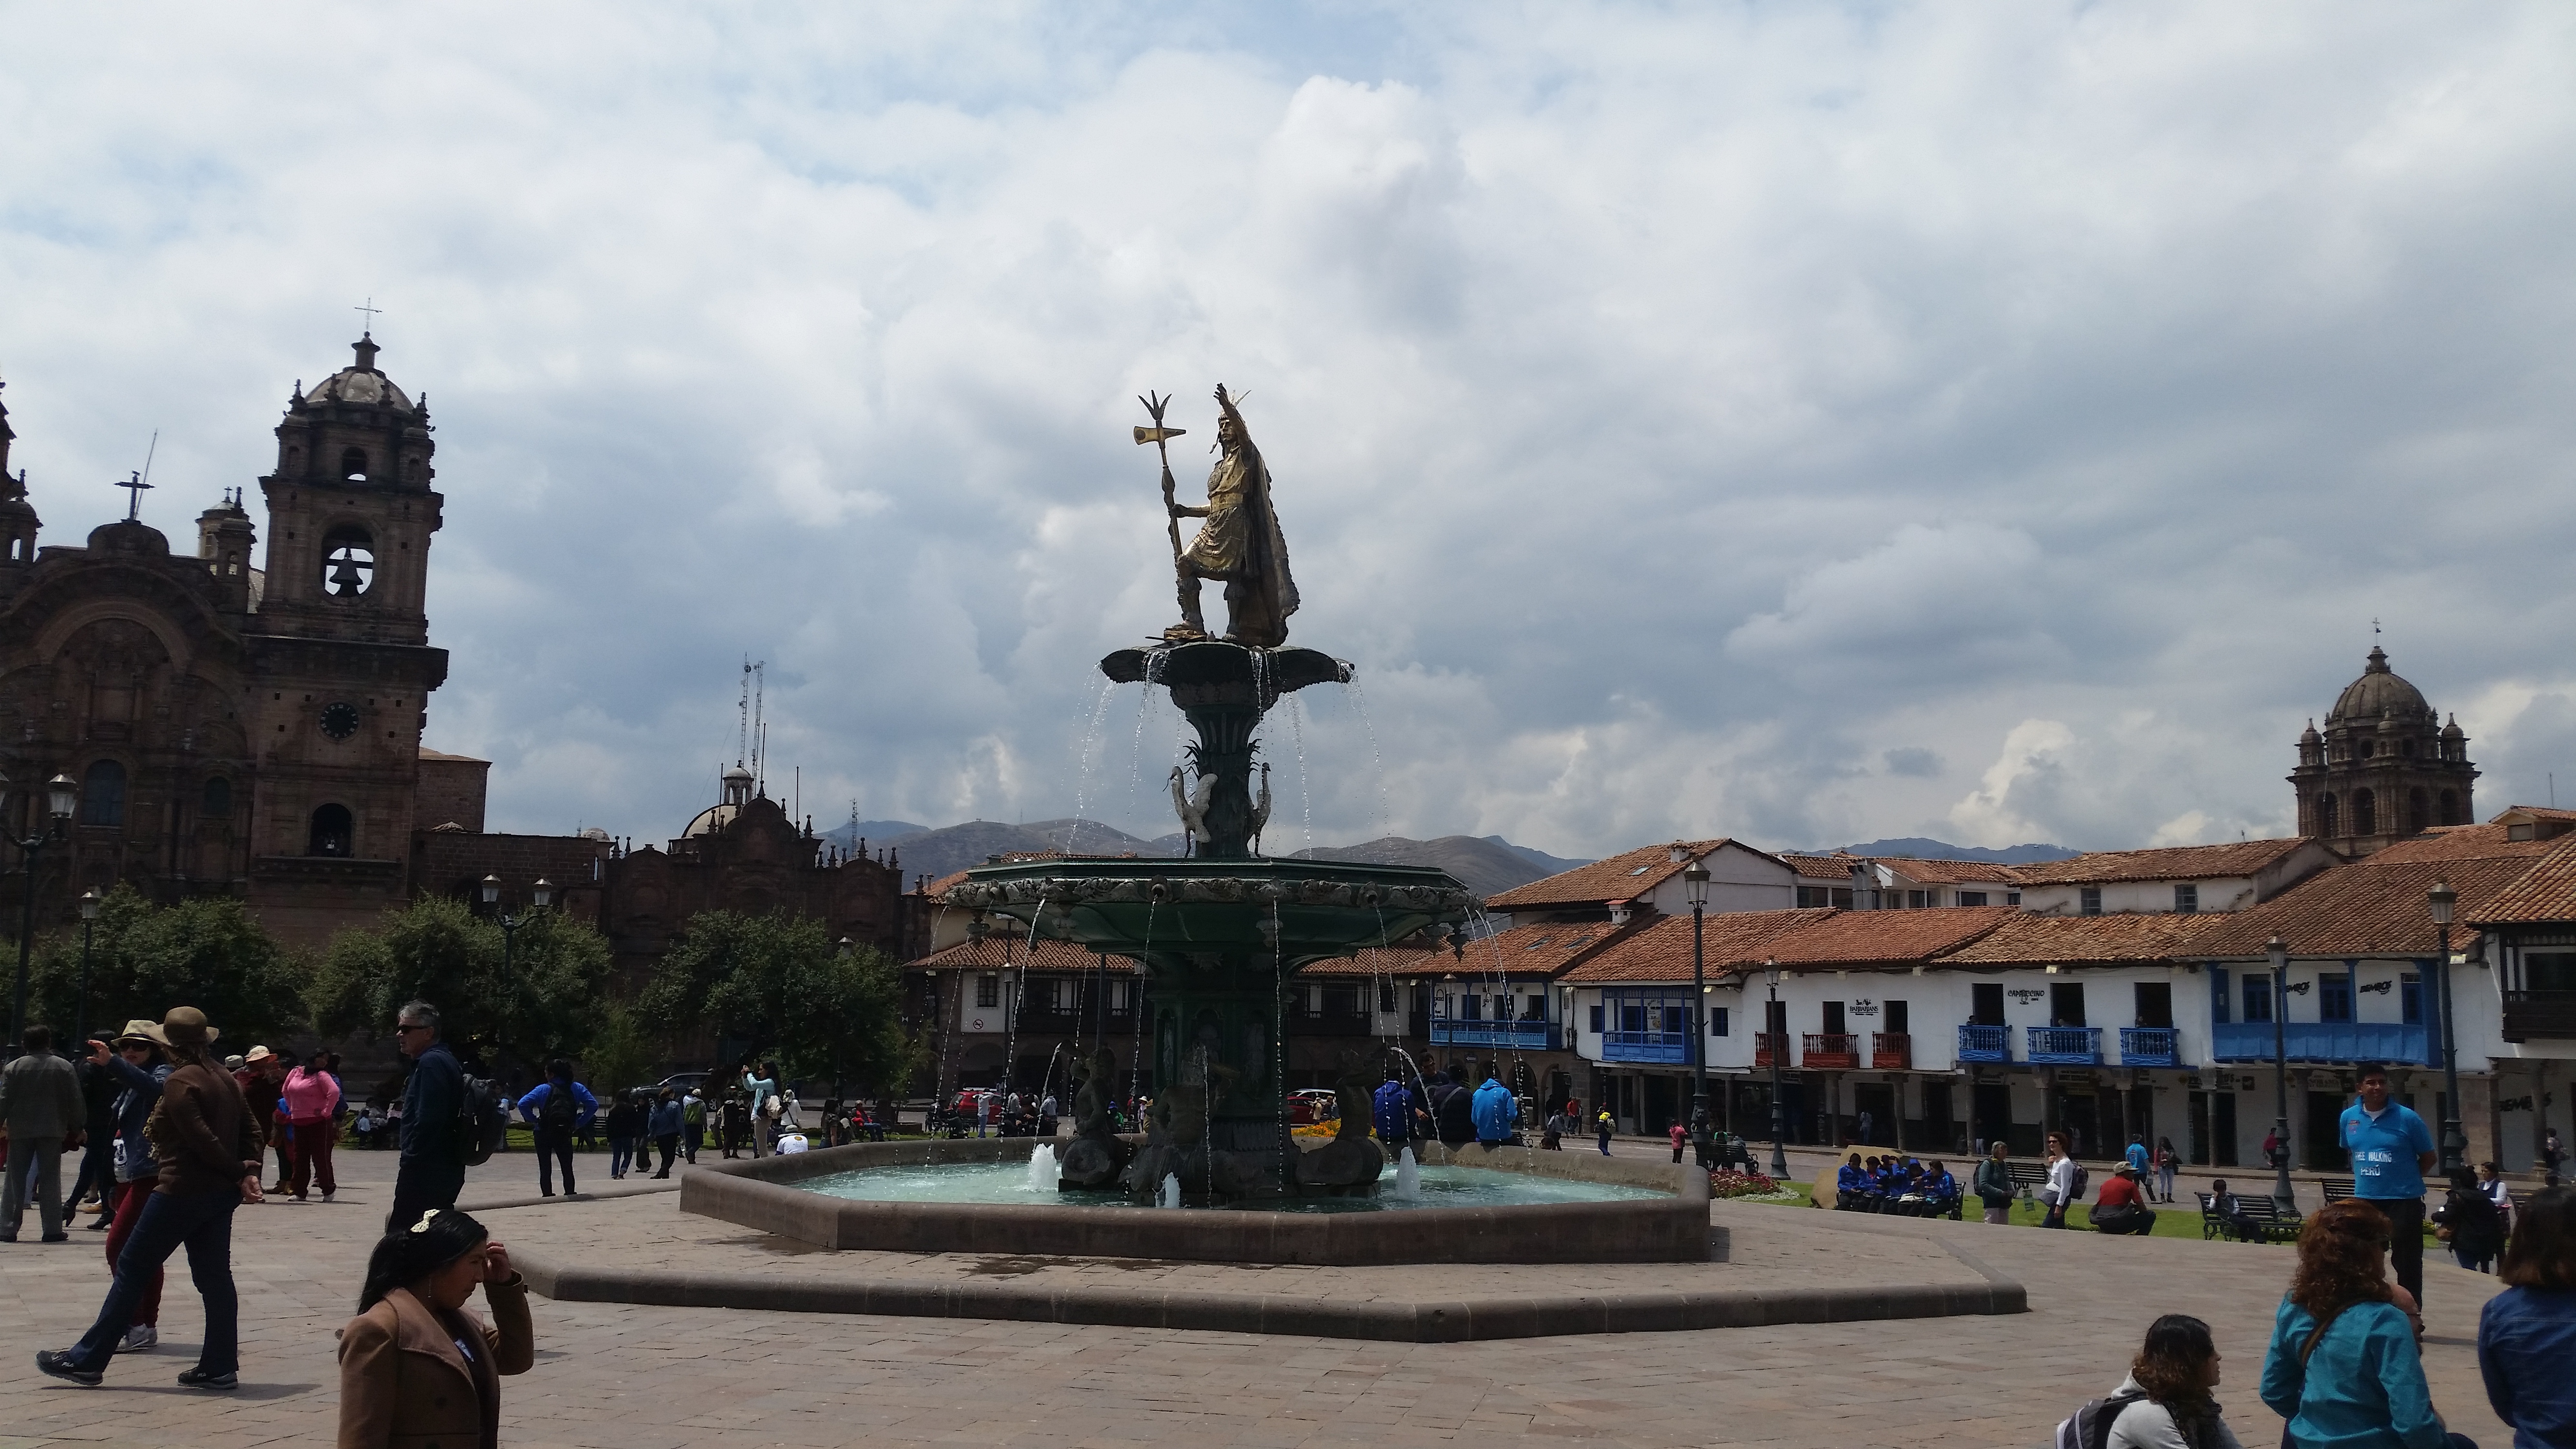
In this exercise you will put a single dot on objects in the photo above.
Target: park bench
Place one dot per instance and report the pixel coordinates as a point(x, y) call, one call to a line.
point(2267, 1215)
point(2027, 1177)
point(2337, 1188)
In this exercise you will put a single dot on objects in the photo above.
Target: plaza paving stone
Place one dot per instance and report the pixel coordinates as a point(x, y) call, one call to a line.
point(662, 1378)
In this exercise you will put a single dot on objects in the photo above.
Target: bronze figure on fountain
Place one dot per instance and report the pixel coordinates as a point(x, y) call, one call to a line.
point(1239, 546)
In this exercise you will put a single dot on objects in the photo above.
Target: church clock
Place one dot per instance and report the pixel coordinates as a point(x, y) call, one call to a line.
point(340, 720)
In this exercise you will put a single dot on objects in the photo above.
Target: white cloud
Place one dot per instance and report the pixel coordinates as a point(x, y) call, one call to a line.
point(1678, 414)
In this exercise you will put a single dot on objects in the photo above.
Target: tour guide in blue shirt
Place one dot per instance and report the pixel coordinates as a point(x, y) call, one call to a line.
point(2391, 1151)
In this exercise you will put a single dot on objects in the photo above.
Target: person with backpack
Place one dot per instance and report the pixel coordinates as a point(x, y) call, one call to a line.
point(1993, 1186)
point(2343, 1367)
point(662, 1124)
point(2065, 1185)
point(1601, 1125)
point(208, 1151)
point(557, 1108)
point(625, 1124)
point(2167, 1164)
point(2468, 1222)
point(442, 1125)
point(2165, 1401)
point(693, 1124)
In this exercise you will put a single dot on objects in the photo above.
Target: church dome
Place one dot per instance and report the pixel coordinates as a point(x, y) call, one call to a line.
point(359, 384)
point(2379, 691)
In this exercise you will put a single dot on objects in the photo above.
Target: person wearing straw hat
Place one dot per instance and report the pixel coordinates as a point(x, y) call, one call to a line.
point(139, 1066)
point(263, 1083)
point(40, 1100)
point(209, 1151)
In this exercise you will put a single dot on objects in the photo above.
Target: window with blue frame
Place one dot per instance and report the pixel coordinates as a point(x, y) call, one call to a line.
point(2219, 1006)
point(1649, 1017)
point(2410, 998)
point(2258, 998)
point(2334, 995)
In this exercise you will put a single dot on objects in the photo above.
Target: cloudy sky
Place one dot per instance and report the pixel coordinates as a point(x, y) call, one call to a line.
point(1810, 423)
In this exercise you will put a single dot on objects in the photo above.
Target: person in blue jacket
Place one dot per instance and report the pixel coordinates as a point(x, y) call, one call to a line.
point(1495, 1114)
point(1392, 1108)
point(557, 1108)
point(2527, 1333)
point(1851, 1185)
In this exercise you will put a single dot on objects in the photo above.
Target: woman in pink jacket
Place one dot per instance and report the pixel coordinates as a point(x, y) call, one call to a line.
point(310, 1109)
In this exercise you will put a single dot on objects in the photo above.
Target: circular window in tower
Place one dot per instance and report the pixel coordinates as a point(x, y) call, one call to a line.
point(348, 562)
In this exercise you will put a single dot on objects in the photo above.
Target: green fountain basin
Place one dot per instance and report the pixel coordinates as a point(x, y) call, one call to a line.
point(1179, 908)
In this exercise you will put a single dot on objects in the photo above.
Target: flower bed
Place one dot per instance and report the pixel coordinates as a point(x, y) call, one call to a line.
point(1727, 1182)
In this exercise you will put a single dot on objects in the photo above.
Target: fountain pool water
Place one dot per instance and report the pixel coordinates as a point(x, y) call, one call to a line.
point(1042, 1172)
point(1012, 1184)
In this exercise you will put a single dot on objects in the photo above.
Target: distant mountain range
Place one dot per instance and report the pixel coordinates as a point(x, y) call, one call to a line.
point(1484, 865)
point(1922, 848)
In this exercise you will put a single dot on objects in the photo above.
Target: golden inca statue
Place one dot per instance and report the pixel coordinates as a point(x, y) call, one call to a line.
point(1239, 545)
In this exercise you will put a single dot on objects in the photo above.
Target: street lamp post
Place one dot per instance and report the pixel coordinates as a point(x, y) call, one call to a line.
point(2454, 1141)
point(2280, 954)
point(847, 948)
point(1779, 1049)
point(89, 902)
point(539, 897)
point(60, 795)
point(1695, 885)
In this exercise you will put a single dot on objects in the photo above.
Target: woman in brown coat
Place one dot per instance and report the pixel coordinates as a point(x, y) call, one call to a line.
point(416, 1370)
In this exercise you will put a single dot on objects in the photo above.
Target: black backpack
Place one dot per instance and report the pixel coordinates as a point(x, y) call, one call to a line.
point(556, 1116)
point(2090, 1427)
point(482, 1120)
point(2081, 1178)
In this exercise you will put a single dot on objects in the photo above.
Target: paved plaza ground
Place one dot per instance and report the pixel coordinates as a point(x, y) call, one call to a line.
point(660, 1378)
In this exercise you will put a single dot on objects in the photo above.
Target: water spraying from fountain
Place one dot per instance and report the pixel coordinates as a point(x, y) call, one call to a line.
point(1408, 1176)
point(1043, 1170)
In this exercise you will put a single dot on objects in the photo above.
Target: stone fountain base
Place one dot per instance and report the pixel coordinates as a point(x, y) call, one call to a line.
point(761, 1193)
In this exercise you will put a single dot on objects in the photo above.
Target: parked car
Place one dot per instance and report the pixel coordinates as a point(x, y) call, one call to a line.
point(1311, 1105)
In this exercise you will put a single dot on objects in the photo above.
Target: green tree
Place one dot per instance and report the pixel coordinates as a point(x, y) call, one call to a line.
point(778, 986)
point(545, 997)
point(144, 959)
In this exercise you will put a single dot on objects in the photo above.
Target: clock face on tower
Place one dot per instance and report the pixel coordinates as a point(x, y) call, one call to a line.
point(340, 720)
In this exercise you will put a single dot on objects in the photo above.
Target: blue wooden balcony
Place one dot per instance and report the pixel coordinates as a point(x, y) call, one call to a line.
point(1985, 1043)
point(1669, 1048)
point(1535, 1036)
point(2150, 1046)
point(2063, 1046)
point(2326, 1041)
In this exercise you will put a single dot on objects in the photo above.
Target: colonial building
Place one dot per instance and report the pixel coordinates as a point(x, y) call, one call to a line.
point(234, 729)
point(2385, 767)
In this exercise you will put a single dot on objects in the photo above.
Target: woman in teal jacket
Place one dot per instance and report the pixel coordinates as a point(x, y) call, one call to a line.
point(2358, 1384)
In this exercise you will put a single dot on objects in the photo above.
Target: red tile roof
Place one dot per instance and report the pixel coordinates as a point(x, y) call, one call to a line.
point(1836, 867)
point(1660, 949)
point(1544, 950)
point(1847, 939)
point(2029, 939)
point(2180, 862)
point(2461, 842)
point(1622, 877)
point(1952, 872)
point(1402, 959)
point(2545, 892)
point(997, 951)
point(2376, 907)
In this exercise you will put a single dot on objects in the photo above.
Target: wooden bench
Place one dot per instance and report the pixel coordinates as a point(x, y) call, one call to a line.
point(2027, 1177)
point(2273, 1221)
point(2337, 1188)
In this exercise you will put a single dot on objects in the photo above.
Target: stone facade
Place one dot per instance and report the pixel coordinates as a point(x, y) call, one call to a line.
point(232, 729)
point(2384, 768)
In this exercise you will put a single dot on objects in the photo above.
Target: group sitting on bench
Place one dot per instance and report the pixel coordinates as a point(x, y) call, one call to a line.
point(2251, 1218)
point(1898, 1185)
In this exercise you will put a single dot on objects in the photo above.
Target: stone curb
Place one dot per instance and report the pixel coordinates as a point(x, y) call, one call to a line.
point(1437, 1321)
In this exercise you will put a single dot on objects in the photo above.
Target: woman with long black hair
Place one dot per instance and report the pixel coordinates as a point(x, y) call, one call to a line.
point(414, 1362)
point(2169, 1385)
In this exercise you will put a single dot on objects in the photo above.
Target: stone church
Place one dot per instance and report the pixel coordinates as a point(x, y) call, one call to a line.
point(251, 725)
point(236, 724)
point(2385, 767)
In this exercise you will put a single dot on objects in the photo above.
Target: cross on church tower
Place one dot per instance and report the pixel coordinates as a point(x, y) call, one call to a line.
point(134, 504)
point(371, 309)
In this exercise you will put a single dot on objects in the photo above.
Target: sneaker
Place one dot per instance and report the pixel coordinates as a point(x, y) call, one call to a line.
point(326, 1197)
point(140, 1337)
point(200, 1379)
point(59, 1365)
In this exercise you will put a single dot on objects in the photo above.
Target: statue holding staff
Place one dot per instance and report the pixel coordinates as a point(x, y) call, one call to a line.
point(1239, 545)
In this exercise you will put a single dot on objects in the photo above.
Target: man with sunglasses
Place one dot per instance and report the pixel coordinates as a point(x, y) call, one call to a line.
point(432, 1169)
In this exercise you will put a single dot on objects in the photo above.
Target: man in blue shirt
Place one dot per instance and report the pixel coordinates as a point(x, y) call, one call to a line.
point(2391, 1150)
point(431, 1171)
point(1495, 1114)
point(2137, 1155)
point(557, 1108)
point(1393, 1107)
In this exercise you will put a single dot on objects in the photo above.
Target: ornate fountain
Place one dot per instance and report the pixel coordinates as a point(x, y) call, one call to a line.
point(1220, 935)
